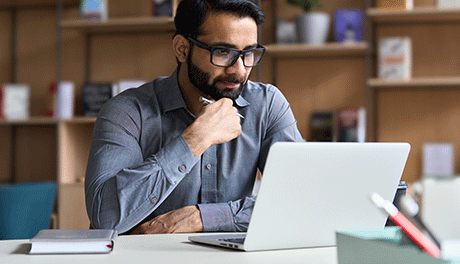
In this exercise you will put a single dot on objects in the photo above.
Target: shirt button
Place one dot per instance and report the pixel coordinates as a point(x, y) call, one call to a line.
point(208, 166)
point(154, 200)
point(182, 168)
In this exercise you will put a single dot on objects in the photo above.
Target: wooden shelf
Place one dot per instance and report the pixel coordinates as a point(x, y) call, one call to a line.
point(435, 82)
point(47, 121)
point(121, 24)
point(416, 15)
point(34, 3)
point(305, 50)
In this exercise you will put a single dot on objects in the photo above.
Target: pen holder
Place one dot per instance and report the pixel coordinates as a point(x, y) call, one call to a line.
point(384, 246)
point(400, 192)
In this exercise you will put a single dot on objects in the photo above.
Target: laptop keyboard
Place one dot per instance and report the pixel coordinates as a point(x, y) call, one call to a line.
point(239, 240)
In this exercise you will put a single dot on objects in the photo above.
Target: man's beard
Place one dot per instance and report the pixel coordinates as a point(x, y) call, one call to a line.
point(200, 80)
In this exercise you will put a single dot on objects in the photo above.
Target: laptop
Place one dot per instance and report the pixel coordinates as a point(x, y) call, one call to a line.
point(311, 189)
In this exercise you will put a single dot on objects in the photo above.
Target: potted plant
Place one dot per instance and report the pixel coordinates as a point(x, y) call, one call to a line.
point(312, 26)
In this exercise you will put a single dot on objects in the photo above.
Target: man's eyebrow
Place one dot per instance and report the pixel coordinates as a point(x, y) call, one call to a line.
point(228, 45)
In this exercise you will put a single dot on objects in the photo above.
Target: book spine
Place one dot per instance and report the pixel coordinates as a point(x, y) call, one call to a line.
point(2, 102)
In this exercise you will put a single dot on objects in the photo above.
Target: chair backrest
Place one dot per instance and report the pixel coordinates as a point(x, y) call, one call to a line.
point(25, 208)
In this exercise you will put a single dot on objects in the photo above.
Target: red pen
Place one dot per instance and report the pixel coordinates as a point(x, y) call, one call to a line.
point(410, 229)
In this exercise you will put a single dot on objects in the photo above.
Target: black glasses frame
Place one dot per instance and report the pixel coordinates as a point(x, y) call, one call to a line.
point(239, 52)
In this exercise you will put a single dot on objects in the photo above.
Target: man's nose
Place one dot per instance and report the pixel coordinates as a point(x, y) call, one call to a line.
point(238, 68)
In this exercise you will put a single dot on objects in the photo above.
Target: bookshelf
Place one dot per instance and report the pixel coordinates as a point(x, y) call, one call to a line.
point(313, 78)
point(422, 109)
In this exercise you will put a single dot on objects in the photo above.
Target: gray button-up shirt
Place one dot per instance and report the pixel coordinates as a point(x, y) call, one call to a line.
point(140, 166)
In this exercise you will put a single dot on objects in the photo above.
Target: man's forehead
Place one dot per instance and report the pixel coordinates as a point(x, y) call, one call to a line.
point(228, 27)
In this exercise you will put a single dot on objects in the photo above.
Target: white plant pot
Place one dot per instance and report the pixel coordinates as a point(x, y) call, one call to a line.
point(313, 27)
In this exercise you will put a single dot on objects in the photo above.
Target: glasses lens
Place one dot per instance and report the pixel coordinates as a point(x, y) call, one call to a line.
point(226, 57)
point(253, 57)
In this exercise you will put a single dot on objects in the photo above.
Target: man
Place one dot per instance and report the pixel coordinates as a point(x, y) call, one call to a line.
point(162, 161)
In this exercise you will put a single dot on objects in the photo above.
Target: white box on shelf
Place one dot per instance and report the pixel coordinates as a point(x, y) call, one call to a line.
point(65, 100)
point(438, 160)
point(448, 3)
point(125, 85)
point(15, 101)
point(395, 58)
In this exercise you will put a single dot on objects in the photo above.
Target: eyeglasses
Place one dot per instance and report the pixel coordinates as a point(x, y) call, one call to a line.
point(226, 57)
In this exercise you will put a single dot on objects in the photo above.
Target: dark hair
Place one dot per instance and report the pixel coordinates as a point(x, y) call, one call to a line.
point(191, 14)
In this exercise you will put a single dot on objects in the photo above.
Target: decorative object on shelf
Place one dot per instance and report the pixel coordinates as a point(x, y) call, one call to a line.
point(286, 31)
point(312, 26)
point(123, 85)
point(395, 58)
point(395, 4)
point(93, 9)
point(94, 95)
point(348, 25)
point(162, 7)
point(351, 125)
point(438, 160)
point(64, 103)
point(322, 126)
point(448, 3)
point(15, 101)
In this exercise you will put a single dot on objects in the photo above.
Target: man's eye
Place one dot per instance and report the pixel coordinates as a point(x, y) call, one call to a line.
point(222, 52)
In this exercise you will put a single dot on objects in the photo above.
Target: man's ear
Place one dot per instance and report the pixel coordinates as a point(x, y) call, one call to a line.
point(181, 47)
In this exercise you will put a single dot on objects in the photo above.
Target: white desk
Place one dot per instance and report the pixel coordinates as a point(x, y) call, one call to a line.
point(167, 249)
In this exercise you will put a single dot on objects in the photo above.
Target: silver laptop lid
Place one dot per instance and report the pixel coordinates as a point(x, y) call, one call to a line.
point(309, 190)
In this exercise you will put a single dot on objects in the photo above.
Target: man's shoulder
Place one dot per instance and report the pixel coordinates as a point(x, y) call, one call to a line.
point(260, 91)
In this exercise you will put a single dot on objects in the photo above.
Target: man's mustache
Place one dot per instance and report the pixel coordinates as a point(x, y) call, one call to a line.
point(229, 79)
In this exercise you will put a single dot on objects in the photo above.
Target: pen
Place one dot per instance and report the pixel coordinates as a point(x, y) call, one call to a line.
point(412, 211)
point(410, 229)
point(206, 101)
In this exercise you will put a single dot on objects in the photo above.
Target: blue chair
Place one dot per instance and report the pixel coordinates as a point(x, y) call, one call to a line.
point(25, 208)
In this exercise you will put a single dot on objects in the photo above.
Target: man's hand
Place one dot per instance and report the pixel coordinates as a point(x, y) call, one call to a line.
point(217, 123)
point(183, 220)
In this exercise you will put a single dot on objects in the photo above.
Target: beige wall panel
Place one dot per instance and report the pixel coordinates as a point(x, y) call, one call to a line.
point(5, 47)
point(320, 85)
point(35, 153)
point(36, 58)
point(419, 117)
point(74, 145)
point(5, 153)
point(72, 208)
point(133, 56)
point(435, 46)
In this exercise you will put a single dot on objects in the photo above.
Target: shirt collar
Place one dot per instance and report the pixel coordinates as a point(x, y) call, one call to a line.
point(171, 96)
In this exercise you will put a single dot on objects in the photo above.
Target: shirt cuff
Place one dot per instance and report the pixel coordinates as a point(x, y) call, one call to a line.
point(176, 159)
point(216, 217)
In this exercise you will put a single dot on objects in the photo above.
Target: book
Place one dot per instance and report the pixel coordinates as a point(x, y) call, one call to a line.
point(348, 25)
point(395, 58)
point(59, 241)
point(395, 4)
point(123, 85)
point(93, 9)
point(351, 125)
point(94, 95)
point(162, 8)
point(15, 101)
point(322, 126)
point(65, 100)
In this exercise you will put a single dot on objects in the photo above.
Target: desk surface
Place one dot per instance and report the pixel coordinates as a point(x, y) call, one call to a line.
point(167, 249)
